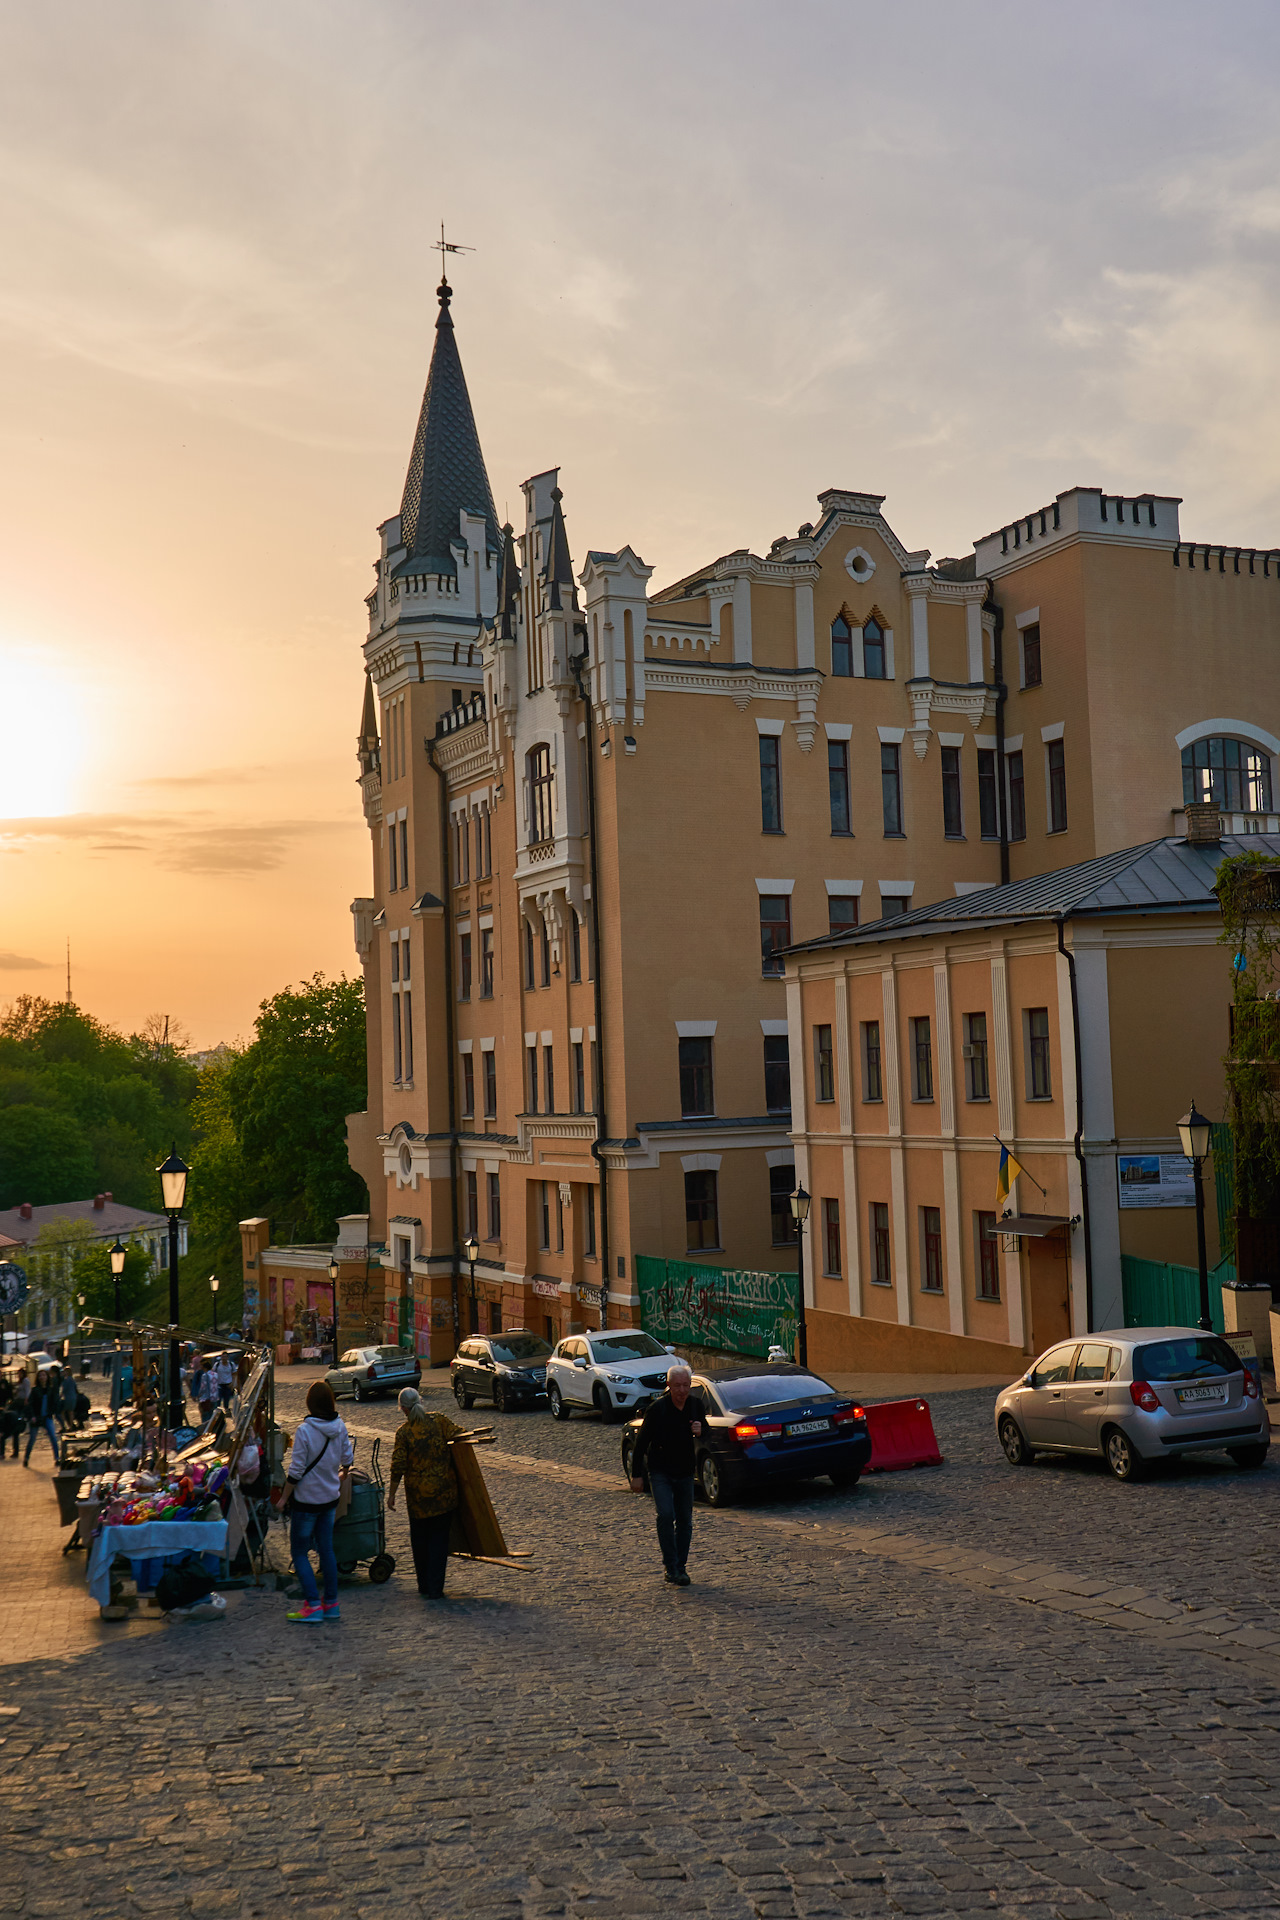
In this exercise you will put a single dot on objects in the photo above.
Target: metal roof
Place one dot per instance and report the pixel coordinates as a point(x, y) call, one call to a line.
point(446, 468)
point(1159, 876)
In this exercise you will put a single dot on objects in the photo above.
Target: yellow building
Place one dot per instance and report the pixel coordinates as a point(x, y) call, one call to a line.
point(599, 814)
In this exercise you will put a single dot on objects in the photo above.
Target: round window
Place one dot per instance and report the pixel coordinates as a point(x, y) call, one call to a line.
point(859, 565)
point(406, 1162)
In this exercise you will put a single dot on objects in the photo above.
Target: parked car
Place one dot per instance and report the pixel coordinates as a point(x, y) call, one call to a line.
point(768, 1423)
point(613, 1372)
point(1135, 1397)
point(365, 1372)
point(508, 1368)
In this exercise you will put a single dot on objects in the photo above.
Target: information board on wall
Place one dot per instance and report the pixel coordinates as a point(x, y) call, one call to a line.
point(1155, 1180)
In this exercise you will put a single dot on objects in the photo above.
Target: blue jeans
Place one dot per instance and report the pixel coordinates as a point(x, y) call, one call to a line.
point(673, 1498)
point(46, 1425)
point(313, 1527)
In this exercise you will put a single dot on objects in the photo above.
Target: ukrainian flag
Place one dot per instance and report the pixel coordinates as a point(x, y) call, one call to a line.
point(1009, 1171)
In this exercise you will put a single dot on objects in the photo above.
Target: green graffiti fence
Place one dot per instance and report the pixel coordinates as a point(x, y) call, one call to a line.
point(1158, 1294)
point(737, 1310)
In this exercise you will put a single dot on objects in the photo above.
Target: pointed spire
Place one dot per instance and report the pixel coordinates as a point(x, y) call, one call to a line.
point(508, 587)
point(558, 572)
point(446, 468)
point(367, 744)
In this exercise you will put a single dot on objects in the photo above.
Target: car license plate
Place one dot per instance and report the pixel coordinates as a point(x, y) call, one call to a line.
point(1186, 1394)
point(809, 1426)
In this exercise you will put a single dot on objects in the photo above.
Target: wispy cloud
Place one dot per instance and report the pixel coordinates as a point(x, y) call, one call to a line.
point(23, 963)
point(184, 843)
point(210, 777)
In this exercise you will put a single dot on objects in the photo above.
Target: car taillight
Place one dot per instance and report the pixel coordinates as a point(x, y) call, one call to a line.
point(372, 1374)
point(1143, 1396)
point(843, 1415)
point(1250, 1385)
point(746, 1431)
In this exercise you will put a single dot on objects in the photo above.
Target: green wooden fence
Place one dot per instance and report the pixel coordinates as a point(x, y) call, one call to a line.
point(1158, 1294)
point(737, 1311)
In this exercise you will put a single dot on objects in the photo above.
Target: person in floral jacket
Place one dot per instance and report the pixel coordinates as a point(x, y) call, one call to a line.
point(421, 1458)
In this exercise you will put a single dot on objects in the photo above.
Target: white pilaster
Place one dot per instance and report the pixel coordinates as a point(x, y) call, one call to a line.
point(806, 647)
point(742, 618)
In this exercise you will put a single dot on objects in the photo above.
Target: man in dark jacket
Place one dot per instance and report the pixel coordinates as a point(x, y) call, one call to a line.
point(666, 1443)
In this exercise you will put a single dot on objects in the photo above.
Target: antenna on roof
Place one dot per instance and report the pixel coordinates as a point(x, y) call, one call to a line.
point(445, 247)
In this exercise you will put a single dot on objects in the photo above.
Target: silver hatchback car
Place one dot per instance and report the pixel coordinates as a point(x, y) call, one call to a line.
point(1135, 1396)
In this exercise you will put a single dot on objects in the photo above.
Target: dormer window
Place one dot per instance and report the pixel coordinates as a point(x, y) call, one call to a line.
point(1229, 773)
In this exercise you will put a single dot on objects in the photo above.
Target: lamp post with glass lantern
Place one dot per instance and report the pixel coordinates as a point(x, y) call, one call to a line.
point(333, 1290)
point(1196, 1134)
point(471, 1247)
point(213, 1288)
point(173, 1186)
point(800, 1213)
point(117, 1254)
point(80, 1326)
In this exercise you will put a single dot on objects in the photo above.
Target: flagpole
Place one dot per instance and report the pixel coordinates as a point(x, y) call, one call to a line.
point(1021, 1169)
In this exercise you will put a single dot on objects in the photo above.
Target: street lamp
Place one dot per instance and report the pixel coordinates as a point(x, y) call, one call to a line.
point(117, 1269)
point(213, 1288)
point(1197, 1135)
point(800, 1213)
point(80, 1323)
point(333, 1288)
point(471, 1247)
point(173, 1186)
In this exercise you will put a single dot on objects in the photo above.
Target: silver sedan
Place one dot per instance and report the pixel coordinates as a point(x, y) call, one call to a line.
point(364, 1372)
point(1135, 1396)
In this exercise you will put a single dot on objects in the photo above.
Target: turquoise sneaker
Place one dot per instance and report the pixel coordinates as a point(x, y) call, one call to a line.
point(332, 1611)
point(308, 1616)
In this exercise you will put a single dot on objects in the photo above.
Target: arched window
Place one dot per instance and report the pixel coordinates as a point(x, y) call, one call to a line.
point(541, 805)
point(873, 649)
point(1233, 774)
point(841, 647)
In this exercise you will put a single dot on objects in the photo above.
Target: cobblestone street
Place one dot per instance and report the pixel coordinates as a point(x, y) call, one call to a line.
point(970, 1689)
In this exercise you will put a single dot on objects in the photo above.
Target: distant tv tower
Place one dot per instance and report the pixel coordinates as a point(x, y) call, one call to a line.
point(68, 969)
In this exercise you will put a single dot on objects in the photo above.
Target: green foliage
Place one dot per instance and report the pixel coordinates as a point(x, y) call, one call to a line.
point(1248, 888)
point(94, 1279)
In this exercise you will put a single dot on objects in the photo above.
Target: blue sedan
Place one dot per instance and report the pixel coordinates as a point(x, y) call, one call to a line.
point(770, 1423)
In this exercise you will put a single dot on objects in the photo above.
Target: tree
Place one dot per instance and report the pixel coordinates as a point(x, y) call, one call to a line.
point(45, 1156)
point(94, 1279)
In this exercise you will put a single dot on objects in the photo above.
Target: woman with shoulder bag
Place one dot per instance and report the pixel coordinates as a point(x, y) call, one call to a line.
point(321, 1454)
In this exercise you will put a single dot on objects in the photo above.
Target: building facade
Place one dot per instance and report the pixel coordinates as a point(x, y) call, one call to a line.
point(600, 813)
point(53, 1316)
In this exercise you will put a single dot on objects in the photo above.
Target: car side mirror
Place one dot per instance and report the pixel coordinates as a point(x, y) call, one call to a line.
point(579, 1361)
point(670, 1349)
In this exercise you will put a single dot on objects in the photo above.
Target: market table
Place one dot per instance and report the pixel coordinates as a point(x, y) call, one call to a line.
point(152, 1540)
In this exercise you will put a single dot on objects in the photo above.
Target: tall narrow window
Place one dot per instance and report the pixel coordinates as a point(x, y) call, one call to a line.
point(697, 1095)
point(977, 1080)
point(1056, 761)
point(1017, 797)
point(873, 649)
point(395, 959)
point(842, 912)
point(397, 1045)
point(495, 1204)
point(488, 843)
point(881, 1270)
point(952, 819)
point(407, 998)
point(544, 1215)
point(468, 1087)
point(486, 964)
point(922, 1058)
point(531, 1078)
point(589, 1222)
point(530, 970)
point(824, 1069)
point(548, 1079)
point(464, 966)
point(841, 648)
point(1031, 655)
point(479, 833)
point(782, 1184)
point(1039, 1079)
point(462, 847)
point(838, 785)
point(392, 861)
point(930, 1250)
point(872, 1079)
point(575, 947)
point(891, 788)
point(988, 816)
point(559, 1217)
point(988, 1264)
point(770, 784)
point(489, 1066)
point(831, 1238)
point(473, 1205)
point(541, 798)
point(545, 945)
point(775, 931)
point(777, 1073)
point(579, 1078)
point(404, 853)
point(701, 1212)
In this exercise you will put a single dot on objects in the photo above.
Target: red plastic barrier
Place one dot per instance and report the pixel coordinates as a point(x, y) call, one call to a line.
point(901, 1436)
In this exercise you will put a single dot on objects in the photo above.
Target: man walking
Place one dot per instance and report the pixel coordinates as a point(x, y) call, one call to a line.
point(667, 1434)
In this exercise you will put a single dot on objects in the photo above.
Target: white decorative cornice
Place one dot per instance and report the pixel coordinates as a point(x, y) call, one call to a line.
point(742, 685)
point(549, 1126)
point(976, 702)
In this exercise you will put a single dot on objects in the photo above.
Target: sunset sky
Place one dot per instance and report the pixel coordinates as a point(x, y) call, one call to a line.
point(964, 255)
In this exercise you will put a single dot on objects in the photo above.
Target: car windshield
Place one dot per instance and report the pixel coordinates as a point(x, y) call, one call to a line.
point(1186, 1359)
point(770, 1390)
point(388, 1353)
point(519, 1347)
point(628, 1346)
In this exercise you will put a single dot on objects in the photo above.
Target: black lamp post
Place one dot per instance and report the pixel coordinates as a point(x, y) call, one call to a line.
point(800, 1213)
point(80, 1328)
point(213, 1288)
point(1197, 1135)
point(117, 1271)
point(471, 1247)
point(173, 1186)
point(333, 1290)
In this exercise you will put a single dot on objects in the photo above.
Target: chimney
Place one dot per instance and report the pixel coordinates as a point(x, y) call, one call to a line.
point(108, 1197)
point(1204, 824)
point(25, 1210)
point(98, 1202)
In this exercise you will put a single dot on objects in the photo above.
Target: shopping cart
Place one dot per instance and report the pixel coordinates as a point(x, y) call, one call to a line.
point(361, 1534)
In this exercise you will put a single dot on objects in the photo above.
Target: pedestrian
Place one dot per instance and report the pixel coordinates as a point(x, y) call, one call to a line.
point(667, 1434)
point(68, 1393)
point(41, 1408)
point(11, 1417)
point(206, 1390)
point(422, 1459)
point(321, 1454)
point(225, 1375)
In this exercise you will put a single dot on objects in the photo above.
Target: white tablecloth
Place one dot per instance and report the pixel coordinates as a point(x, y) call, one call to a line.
point(145, 1542)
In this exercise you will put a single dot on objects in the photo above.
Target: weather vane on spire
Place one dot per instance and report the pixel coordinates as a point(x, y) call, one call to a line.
point(444, 248)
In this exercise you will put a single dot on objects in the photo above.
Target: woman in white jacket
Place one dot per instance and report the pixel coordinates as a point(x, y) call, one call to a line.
point(322, 1452)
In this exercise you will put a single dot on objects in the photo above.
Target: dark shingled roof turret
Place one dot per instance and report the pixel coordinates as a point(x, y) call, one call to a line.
point(446, 468)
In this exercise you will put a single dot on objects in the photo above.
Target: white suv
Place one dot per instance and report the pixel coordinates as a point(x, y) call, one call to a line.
point(615, 1373)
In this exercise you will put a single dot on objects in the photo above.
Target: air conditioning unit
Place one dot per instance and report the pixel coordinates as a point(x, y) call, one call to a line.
point(969, 1053)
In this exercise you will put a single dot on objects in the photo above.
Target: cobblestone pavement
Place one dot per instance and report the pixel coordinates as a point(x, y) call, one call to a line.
point(845, 1714)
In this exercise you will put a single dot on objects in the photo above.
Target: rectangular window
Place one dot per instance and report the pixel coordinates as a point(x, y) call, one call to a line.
point(770, 784)
point(541, 802)
point(842, 912)
point(1039, 1081)
point(531, 1078)
point(392, 862)
point(930, 1250)
point(777, 1073)
point(881, 1270)
point(545, 944)
point(1056, 759)
point(489, 1065)
point(473, 1205)
point(548, 1080)
point(406, 958)
point(952, 819)
point(575, 948)
point(407, 997)
point(701, 1212)
point(579, 1078)
point(873, 650)
point(495, 1203)
point(404, 853)
point(544, 1215)
point(559, 1217)
point(775, 931)
point(841, 648)
point(824, 1065)
point(395, 959)
point(831, 1237)
point(977, 1080)
point(988, 1261)
point(530, 975)
point(486, 964)
point(782, 1184)
point(589, 1222)
point(988, 816)
point(838, 785)
point(872, 1078)
point(488, 843)
point(464, 967)
point(697, 1093)
point(1017, 797)
point(1031, 655)
point(468, 1087)
point(479, 833)
point(891, 788)
point(922, 1059)
point(462, 848)
point(397, 1050)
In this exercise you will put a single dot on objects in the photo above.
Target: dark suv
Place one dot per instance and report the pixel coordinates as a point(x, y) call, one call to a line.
point(508, 1368)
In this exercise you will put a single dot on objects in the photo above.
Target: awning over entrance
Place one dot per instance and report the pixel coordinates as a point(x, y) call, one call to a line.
point(1032, 1226)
